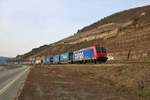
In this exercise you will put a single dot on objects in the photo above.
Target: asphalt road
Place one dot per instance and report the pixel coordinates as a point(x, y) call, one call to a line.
point(11, 81)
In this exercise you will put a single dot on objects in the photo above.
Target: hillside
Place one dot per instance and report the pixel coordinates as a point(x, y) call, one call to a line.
point(3, 60)
point(126, 35)
point(121, 17)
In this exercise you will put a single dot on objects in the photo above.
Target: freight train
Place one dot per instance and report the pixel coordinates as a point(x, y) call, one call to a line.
point(91, 54)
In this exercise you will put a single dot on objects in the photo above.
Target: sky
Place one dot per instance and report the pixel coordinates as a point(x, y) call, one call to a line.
point(27, 24)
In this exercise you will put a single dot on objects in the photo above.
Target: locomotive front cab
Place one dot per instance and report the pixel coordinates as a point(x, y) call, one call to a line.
point(101, 54)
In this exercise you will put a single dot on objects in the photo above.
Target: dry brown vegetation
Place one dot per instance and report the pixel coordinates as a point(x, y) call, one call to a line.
point(130, 81)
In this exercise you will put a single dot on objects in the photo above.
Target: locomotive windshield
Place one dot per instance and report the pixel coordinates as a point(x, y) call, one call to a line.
point(100, 49)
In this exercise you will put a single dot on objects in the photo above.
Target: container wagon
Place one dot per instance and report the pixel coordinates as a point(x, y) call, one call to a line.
point(51, 60)
point(46, 60)
point(66, 57)
point(56, 59)
point(90, 54)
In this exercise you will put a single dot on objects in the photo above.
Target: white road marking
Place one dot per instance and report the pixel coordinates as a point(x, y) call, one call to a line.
point(10, 83)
